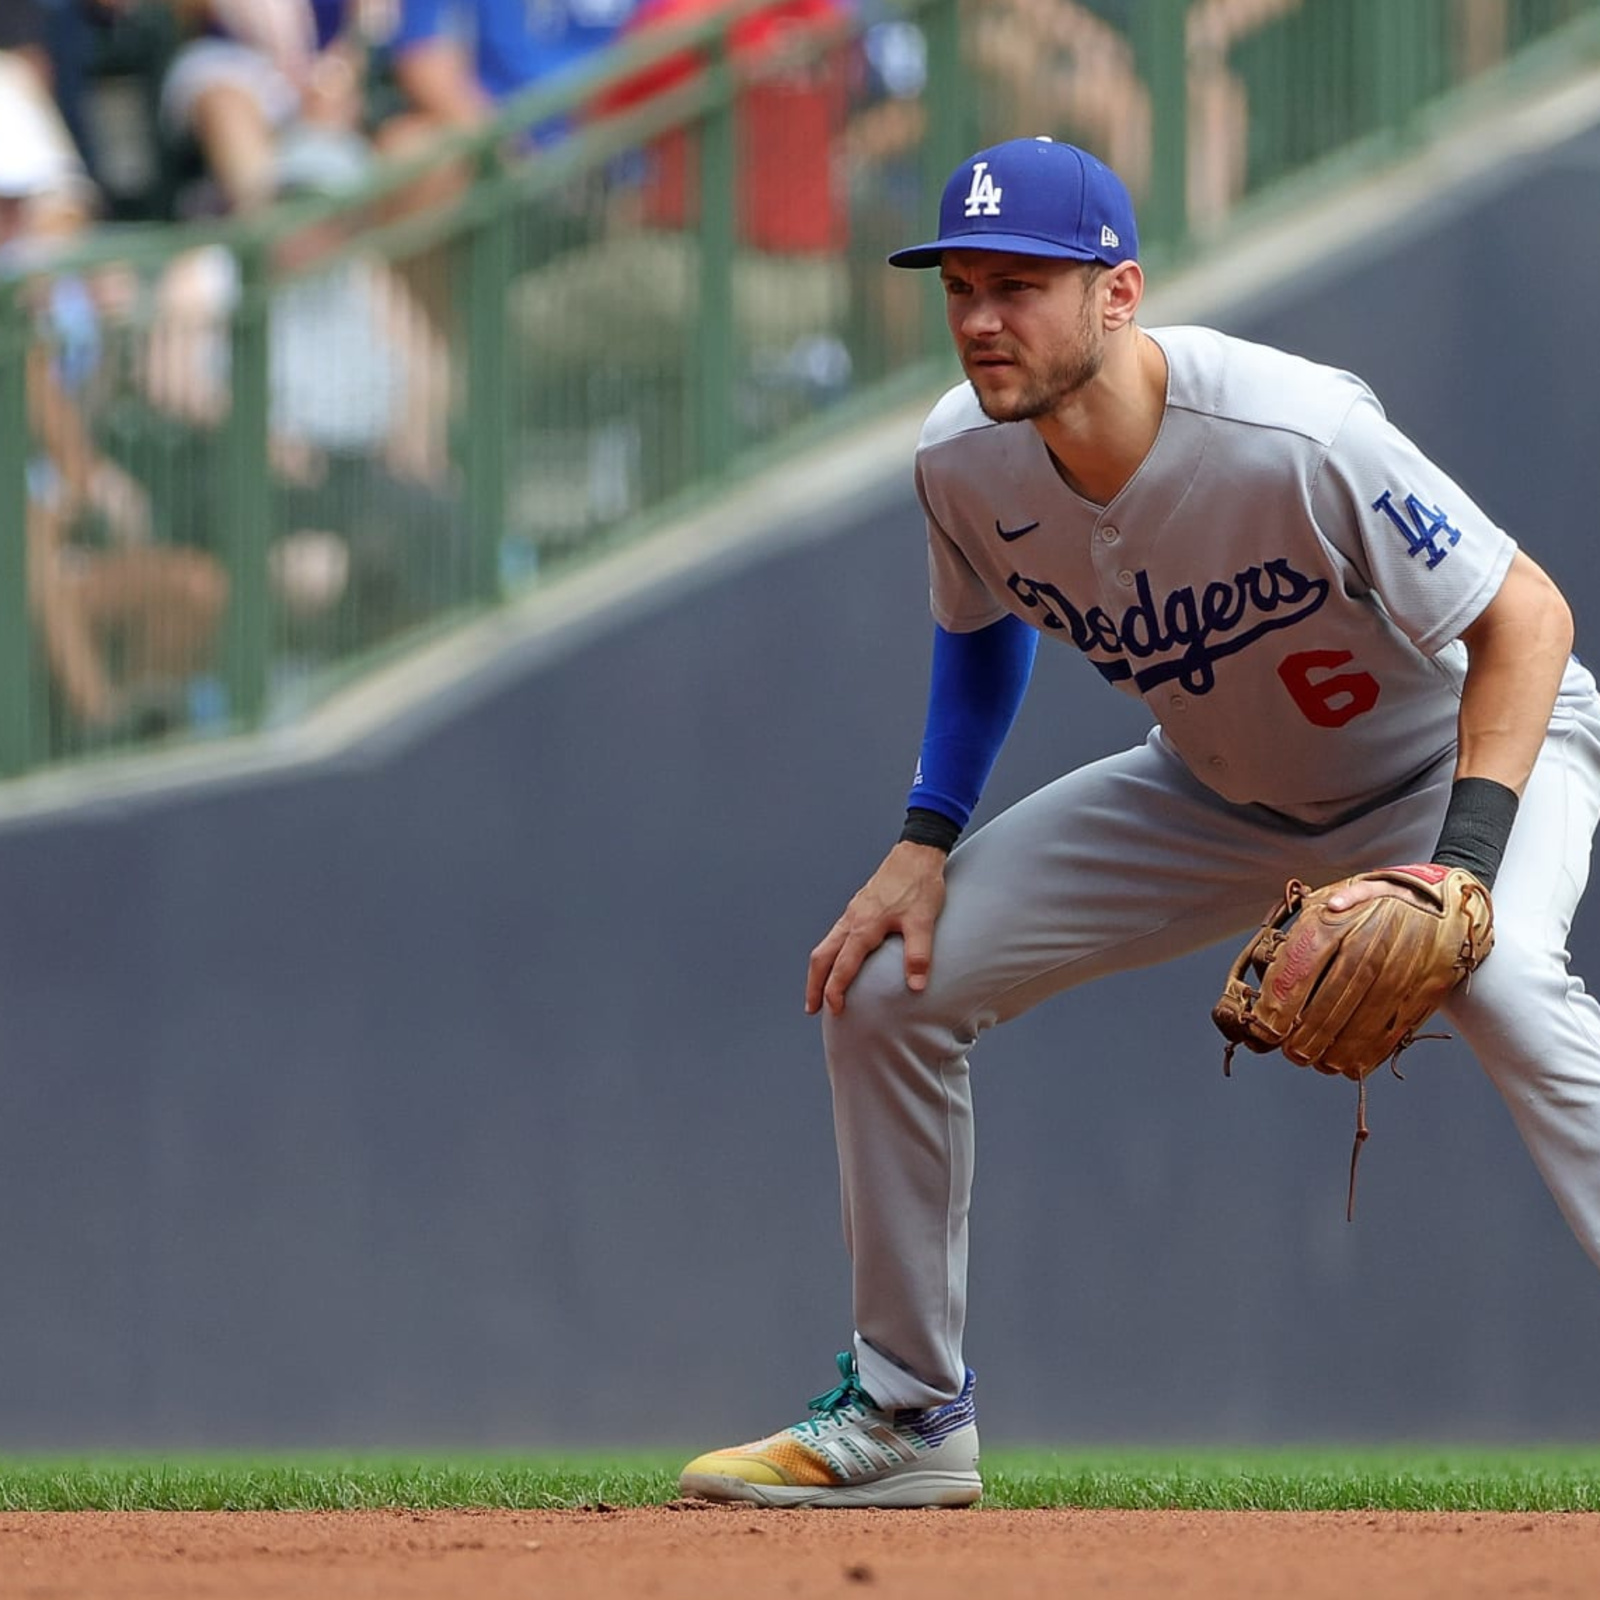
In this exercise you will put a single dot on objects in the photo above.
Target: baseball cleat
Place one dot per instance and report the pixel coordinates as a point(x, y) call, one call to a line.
point(851, 1453)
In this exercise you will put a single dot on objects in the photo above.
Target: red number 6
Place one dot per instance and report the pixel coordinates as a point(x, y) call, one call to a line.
point(1329, 702)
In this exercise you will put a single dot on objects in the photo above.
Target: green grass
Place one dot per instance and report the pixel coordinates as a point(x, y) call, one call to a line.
point(1392, 1479)
point(1413, 1479)
point(324, 1482)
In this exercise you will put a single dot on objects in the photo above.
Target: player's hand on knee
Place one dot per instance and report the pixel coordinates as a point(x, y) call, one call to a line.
point(905, 896)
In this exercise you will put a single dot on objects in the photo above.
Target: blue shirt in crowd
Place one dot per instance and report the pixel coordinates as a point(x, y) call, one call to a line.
point(514, 43)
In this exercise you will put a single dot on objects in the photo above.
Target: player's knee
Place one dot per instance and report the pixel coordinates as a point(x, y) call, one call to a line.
point(884, 1021)
point(877, 1001)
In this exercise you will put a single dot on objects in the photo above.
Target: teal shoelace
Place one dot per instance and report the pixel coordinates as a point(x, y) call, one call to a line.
point(848, 1392)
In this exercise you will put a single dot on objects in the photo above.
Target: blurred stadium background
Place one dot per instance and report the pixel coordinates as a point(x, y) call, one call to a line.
point(463, 633)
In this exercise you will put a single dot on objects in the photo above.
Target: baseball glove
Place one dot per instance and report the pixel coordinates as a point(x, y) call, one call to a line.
point(1346, 991)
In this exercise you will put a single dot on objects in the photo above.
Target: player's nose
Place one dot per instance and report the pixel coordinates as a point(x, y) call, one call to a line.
point(978, 316)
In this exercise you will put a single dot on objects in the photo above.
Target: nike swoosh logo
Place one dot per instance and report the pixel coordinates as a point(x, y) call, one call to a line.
point(1008, 534)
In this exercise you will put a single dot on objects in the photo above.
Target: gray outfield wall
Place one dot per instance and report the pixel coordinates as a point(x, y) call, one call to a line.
point(464, 1096)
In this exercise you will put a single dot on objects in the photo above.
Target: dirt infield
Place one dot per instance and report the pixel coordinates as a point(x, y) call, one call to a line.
point(716, 1553)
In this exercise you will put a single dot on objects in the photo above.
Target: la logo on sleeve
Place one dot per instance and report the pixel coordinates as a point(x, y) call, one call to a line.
point(1426, 525)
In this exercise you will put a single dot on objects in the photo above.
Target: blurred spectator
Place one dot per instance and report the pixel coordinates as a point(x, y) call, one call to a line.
point(63, 196)
point(45, 158)
point(253, 69)
point(368, 536)
point(606, 330)
point(633, 292)
point(72, 30)
point(25, 34)
point(1068, 70)
point(454, 60)
point(884, 168)
point(1072, 70)
point(107, 59)
point(1219, 104)
point(787, 199)
point(124, 623)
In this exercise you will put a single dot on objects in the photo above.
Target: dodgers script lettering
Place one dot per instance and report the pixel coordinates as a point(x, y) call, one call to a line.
point(1183, 634)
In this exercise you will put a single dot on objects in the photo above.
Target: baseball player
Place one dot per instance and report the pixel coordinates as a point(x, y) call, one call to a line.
point(1349, 667)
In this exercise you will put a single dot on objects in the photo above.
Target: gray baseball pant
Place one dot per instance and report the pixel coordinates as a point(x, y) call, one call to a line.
point(1128, 862)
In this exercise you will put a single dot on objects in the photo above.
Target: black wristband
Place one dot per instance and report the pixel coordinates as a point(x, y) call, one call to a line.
point(930, 827)
point(1477, 823)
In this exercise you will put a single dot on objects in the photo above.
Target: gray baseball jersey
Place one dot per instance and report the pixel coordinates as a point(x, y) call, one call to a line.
point(1282, 581)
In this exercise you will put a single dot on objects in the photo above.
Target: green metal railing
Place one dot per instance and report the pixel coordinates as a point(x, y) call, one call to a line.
point(548, 366)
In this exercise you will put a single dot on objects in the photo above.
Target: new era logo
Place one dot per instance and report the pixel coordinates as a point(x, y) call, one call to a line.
point(1108, 237)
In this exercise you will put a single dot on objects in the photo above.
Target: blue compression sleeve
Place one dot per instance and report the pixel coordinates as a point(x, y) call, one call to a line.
point(979, 680)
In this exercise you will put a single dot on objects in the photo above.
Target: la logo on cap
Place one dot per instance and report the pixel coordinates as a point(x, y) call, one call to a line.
point(983, 198)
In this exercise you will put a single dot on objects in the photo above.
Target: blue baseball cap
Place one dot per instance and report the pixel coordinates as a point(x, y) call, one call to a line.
point(1032, 197)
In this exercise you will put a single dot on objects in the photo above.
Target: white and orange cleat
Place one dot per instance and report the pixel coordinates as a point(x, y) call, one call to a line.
point(851, 1453)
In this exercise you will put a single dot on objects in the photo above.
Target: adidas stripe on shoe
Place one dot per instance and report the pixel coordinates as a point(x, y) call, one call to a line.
point(851, 1453)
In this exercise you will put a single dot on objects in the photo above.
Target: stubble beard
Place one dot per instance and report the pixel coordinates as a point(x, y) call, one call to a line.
point(1044, 393)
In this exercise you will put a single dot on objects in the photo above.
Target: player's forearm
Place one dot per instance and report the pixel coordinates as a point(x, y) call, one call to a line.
point(1516, 654)
point(976, 688)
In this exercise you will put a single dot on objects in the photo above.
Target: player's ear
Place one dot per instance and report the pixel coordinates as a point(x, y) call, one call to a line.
point(1122, 287)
